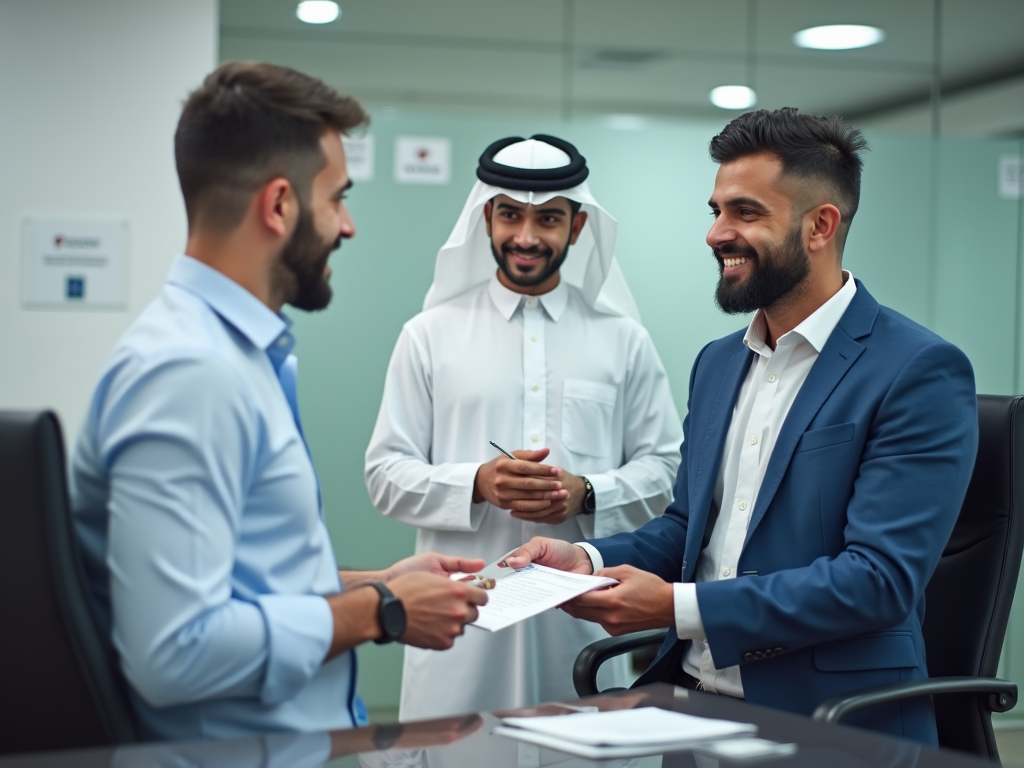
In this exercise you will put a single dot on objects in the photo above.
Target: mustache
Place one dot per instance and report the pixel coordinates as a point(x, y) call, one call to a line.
point(535, 250)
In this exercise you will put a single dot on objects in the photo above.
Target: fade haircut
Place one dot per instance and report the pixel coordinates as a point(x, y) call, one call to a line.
point(821, 153)
point(247, 124)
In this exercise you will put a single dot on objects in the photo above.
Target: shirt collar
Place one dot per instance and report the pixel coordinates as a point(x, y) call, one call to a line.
point(266, 329)
point(507, 301)
point(815, 328)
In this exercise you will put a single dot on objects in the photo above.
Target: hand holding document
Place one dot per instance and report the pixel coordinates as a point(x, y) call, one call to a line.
point(621, 733)
point(518, 595)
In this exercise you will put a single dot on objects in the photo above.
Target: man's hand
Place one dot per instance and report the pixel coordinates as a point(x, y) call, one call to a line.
point(553, 553)
point(437, 609)
point(639, 601)
point(524, 485)
point(561, 510)
point(431, 562)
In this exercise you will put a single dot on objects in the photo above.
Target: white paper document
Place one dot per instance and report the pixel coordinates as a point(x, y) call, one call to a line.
point(621, 733)
point(518, 595)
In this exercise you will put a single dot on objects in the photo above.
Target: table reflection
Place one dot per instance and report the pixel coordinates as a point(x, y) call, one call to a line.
point(468, 742)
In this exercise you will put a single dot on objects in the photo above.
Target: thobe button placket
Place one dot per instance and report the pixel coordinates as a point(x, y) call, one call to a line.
point(534, 375)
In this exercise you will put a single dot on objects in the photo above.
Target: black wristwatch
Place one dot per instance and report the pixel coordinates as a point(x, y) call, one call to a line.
point(589, 502)
point(391, 615)
point(385, 736)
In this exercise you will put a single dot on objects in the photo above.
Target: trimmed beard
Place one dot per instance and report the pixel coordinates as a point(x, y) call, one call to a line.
point(303, 260)
point(554, 262)
point(772, 279)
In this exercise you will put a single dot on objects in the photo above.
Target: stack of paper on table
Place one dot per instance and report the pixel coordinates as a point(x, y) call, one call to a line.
point(620, 733)
point(518, 595)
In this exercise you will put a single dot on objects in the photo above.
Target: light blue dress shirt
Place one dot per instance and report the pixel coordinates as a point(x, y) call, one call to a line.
point(198, 509)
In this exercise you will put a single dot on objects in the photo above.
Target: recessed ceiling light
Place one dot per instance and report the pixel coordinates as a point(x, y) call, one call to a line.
point(733, 97)
point(838, 37)
point(318, 11)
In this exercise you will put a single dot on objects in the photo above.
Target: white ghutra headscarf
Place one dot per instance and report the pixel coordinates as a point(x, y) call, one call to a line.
point(533, 171)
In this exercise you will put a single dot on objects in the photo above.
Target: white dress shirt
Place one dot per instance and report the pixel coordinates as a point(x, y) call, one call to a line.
point(526, 372)
point(765, 397)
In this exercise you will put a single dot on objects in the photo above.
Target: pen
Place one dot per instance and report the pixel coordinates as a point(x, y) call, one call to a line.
point(503, 450)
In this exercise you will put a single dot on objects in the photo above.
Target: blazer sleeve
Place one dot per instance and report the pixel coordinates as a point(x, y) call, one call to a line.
point(911, 480)
point(659, 545)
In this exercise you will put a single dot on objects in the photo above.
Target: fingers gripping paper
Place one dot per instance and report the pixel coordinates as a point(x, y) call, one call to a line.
point(518, 595)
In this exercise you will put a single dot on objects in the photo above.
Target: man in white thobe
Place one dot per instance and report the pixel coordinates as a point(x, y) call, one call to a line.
point(546, 355)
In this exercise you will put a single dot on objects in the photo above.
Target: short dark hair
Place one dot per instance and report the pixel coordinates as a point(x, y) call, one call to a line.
point(822, 149)
point(247, 124)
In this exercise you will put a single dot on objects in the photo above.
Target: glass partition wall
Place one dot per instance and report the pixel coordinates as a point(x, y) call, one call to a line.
point(938, 237)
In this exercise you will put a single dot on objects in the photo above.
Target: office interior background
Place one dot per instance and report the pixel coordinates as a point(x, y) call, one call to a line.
point(90, 92)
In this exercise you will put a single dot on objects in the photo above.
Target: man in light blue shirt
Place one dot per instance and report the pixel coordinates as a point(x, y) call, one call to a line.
point(195, 498)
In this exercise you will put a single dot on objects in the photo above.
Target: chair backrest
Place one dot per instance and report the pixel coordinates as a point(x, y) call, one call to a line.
point(969, 597)
point(59, 685)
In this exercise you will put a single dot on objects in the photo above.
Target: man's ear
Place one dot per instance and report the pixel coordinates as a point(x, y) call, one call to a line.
point(577, 226)
point(488, 207)
point(824, 221)
point(277, 207)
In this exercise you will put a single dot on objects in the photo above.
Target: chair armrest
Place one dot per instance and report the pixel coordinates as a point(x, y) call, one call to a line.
point(590, 659)
point(1002, 695)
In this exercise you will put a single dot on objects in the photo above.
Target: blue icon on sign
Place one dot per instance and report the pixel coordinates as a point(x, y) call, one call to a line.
point(75, 288)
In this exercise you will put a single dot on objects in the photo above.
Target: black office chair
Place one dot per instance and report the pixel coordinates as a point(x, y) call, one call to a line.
point(61, 687)
point(968, 600)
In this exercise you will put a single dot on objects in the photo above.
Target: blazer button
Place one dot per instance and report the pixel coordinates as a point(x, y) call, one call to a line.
point(748, 656)
point(778, 651)
point(759, 655)
point(768, 653)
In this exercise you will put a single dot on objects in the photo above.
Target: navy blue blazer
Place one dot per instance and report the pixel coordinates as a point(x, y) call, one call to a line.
point(859, 498)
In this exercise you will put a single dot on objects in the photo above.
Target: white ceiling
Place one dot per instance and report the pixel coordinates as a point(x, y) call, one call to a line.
point(653, 57)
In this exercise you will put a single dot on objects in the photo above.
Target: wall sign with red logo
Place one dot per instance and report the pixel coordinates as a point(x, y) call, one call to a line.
point(74, 263)
point(423, 160)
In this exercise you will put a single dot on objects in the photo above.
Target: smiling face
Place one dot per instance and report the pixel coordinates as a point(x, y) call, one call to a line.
point(530, 242)
point(323, 223)
point(757, 240)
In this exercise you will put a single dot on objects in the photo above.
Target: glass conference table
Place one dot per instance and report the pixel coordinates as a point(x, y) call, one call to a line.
point(468, 742)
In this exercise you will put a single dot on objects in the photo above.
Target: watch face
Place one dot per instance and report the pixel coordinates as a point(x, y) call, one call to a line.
point(392, 618)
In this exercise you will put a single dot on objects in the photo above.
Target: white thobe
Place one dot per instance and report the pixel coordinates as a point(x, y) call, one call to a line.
point(525, 372)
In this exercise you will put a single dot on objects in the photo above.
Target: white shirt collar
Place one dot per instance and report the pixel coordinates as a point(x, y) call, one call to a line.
point(507, 301)
point(815, 329)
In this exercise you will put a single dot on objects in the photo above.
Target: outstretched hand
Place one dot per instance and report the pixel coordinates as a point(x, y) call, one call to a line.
point(554, 553)
point(432, 562)
point(437, 609)
point(639, 601)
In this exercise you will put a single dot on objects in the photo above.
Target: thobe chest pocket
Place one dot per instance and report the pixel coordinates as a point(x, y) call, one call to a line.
point(588, 411)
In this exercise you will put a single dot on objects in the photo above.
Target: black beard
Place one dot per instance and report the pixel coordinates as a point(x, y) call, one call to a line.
point(554, 262)
point(303, 259)
point(773, 277)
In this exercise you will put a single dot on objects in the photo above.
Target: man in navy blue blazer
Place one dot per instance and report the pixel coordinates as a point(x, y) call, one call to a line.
point(827, 449)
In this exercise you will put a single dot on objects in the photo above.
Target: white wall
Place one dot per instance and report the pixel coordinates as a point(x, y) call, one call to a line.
point(90, 93)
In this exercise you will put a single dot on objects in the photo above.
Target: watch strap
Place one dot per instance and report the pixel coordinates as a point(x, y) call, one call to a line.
point(387, 597)
point(589, 501)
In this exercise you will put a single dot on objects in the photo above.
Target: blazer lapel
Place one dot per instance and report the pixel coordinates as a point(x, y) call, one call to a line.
point(702, 488)
point(837, 356)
